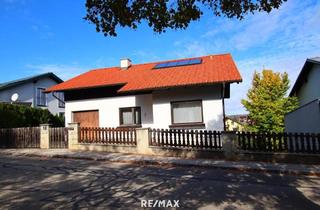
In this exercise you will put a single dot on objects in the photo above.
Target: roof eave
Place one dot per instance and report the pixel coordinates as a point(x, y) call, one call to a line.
point(179, 86)
point(144, 89)
point(37, 77)
point(306, 66)
point(83, 88)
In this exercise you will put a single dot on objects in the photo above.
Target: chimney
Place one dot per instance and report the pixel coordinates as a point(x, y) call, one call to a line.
point(125, 63)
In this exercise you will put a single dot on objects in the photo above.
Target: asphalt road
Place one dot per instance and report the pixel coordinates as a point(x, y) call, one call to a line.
point(35, 183)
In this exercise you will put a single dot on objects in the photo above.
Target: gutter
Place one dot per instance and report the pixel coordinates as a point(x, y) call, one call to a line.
point(223, 108)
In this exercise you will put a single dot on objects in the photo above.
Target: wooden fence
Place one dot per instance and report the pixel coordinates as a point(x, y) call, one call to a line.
point(186, 139)
point(28, 137)
point(58, 138)
point(279, 142)
point(119, 136)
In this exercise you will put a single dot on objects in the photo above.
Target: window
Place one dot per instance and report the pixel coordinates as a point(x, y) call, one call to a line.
point(186, 112)
point(41, 97)
point(61, 114)
point(130, 116)
point(60, 96)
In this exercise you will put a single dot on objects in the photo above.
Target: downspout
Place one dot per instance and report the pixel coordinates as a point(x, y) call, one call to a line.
point(34, 92)
point(224, 112)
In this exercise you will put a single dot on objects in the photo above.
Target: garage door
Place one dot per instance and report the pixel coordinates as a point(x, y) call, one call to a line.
point(86, 118)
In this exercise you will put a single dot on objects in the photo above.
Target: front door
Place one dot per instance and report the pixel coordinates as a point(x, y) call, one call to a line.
point(86, 118)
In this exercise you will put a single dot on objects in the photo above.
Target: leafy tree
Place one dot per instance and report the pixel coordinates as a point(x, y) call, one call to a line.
point(106, 15)
point(267, 102)
point(12, 115)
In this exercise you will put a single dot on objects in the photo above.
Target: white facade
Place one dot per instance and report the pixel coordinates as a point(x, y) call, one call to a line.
point(27, 93)
point(155, 107)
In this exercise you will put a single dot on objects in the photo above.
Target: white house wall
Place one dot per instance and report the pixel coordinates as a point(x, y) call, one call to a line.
point(52, 102)
point(155, 108)
point(27, 93)
point(211, 104)
point(109, 108)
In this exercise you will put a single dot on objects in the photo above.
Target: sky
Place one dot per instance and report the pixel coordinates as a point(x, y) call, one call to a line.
point(52, 36)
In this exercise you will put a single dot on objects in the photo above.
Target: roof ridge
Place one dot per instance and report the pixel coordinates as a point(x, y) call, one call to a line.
point(26, 79)
point(163, 61)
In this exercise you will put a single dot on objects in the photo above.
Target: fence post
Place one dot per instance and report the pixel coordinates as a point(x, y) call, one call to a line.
point(73, 135)
point(44, 136)
point(143, 136)
point(230, 144)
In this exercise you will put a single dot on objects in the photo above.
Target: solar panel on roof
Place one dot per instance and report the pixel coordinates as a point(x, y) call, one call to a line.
point(172, 64)
point(178, 63)
point(161, 65)
point(195, 61)
point(185, 62)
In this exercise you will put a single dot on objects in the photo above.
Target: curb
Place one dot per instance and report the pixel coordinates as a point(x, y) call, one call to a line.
point(162, 163)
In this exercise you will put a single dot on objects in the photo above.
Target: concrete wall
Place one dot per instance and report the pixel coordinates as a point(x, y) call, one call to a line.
point(155, 108)
point(27, 93)
point(304, 119)
point(310, 90)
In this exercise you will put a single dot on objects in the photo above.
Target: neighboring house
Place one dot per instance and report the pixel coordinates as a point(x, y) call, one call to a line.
point(236, 122)
point(185, 93)
point(30, 92)
point(307, 88)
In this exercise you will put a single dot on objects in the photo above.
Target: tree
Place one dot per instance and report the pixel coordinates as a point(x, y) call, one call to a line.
point(106, 15)
point(267, 102)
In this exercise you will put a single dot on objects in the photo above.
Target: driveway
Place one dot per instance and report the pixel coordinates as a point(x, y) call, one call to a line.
point(34, 183)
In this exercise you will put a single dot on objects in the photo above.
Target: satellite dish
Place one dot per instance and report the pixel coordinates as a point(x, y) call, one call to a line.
point(14, 97)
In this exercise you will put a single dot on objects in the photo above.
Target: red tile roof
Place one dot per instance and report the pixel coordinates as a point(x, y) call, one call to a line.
point(140, 77)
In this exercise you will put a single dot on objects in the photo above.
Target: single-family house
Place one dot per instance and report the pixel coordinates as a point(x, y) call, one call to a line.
point(306, 118)
point(29, 91)
point(236, 122)
point(184, 93)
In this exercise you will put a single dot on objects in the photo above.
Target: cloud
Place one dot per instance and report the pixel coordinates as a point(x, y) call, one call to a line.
point(63, 71)
point(143, 56)
point(281, 40)
point(290, 62)
point(193, 48)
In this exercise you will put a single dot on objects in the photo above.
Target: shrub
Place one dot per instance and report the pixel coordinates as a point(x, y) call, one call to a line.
point(12, 115)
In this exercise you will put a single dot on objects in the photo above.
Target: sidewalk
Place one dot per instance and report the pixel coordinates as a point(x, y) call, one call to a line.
point(293, 169)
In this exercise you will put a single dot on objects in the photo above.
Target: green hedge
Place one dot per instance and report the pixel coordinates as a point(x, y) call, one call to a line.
point(12, 116)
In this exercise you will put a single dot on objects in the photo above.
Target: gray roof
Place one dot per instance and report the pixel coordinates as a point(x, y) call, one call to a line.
point(315, 59)
point(28, 79)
